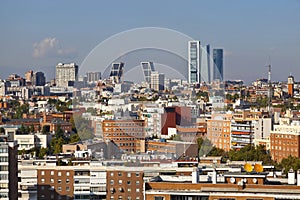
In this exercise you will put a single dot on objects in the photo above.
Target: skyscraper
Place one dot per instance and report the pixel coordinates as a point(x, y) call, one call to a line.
point(116, 72)
point(205, 75)
point(66, 74)
point(218, 64)
point(148, 68)
point(194, 56)
point(157, 81)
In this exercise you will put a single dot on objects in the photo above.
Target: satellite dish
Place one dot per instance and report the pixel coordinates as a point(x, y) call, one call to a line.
point(258, 168)
point(232, 180)
point(248, 167)
point(254, 180)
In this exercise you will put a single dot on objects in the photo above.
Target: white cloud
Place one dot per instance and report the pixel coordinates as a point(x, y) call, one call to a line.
point(50, 47)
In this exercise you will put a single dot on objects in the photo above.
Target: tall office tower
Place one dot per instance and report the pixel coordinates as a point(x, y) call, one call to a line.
point(8, 168)
point(194, 56)
point(93, 77)
point(38, 79)
point(157, 81)
point(66, 74)
point(116, 73)
point(291, 85)
point(205, 64)
point(148, 68)
point(218, 64)
point(28, 77)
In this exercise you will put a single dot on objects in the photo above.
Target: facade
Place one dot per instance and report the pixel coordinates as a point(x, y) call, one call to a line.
point(148, 68)
point(128, 135)
point(218, 130)
point(285, 141)
point(242, 134)
point(194, 62)
point(157, 81)
point(8, 168)
point(55, 183)
point(218, 64)
point(28, 77)
point(93, 77)
point(125, 184)
point(116, 73)
point(66, 74)
point(205, 64)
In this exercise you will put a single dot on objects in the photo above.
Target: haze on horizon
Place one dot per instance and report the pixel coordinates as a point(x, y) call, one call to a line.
point(38, 35)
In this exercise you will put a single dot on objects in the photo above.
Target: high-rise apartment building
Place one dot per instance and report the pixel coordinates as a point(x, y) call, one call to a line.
point(66, 74)
point(116, 73)
point(38, 79)
point(93, 77)
point(218, 64)
point(157, 81)
point(148, 68)
point(194, 62)
point(28, 77)
point(218, 130)
point(8, 168)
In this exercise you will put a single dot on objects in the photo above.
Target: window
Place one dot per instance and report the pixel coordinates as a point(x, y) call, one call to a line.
point(67, 180)
point(42, 188)
point(42, 173)
point(158, 198)
point(119, 173)
point(129, 190)
point(137, 189)
point(128, 174)
point(120, 182)
point(52, 172)
point(51, 180)
point(137, 182)
point(68, 173)
point(59, 181)
point(59, 174)
point(128, 182)
point(59, 188)
point(111, 182)
point(67, 188)
point(137, 174)
point(111, 174)
point(43, 180)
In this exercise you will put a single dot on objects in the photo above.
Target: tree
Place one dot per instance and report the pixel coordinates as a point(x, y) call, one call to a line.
point(43, 152)
point(2, 130)
point(74, 138)
point(45, 129)
point(288, 163)
point(31, 128)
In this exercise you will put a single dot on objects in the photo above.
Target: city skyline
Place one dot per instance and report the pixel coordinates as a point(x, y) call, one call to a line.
point(252, 34)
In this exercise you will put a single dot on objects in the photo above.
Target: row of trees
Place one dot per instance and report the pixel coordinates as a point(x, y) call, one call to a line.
point(248, 153)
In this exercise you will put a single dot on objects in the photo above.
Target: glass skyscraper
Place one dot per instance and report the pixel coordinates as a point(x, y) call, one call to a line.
point(218, 64)
point(148, 68)
point(194, 56)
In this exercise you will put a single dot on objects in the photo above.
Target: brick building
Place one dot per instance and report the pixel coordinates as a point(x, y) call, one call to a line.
point(285, 141)
point(218, 130)
point(55, 183)
point(129, 135)
point(125, 184)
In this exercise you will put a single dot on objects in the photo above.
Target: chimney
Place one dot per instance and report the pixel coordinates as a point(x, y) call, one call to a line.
point(291, 177)
point(214, 177)
point(298, 177)
point(195, 175)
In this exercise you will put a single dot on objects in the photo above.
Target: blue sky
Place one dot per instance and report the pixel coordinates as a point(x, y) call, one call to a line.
point(39, 34)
